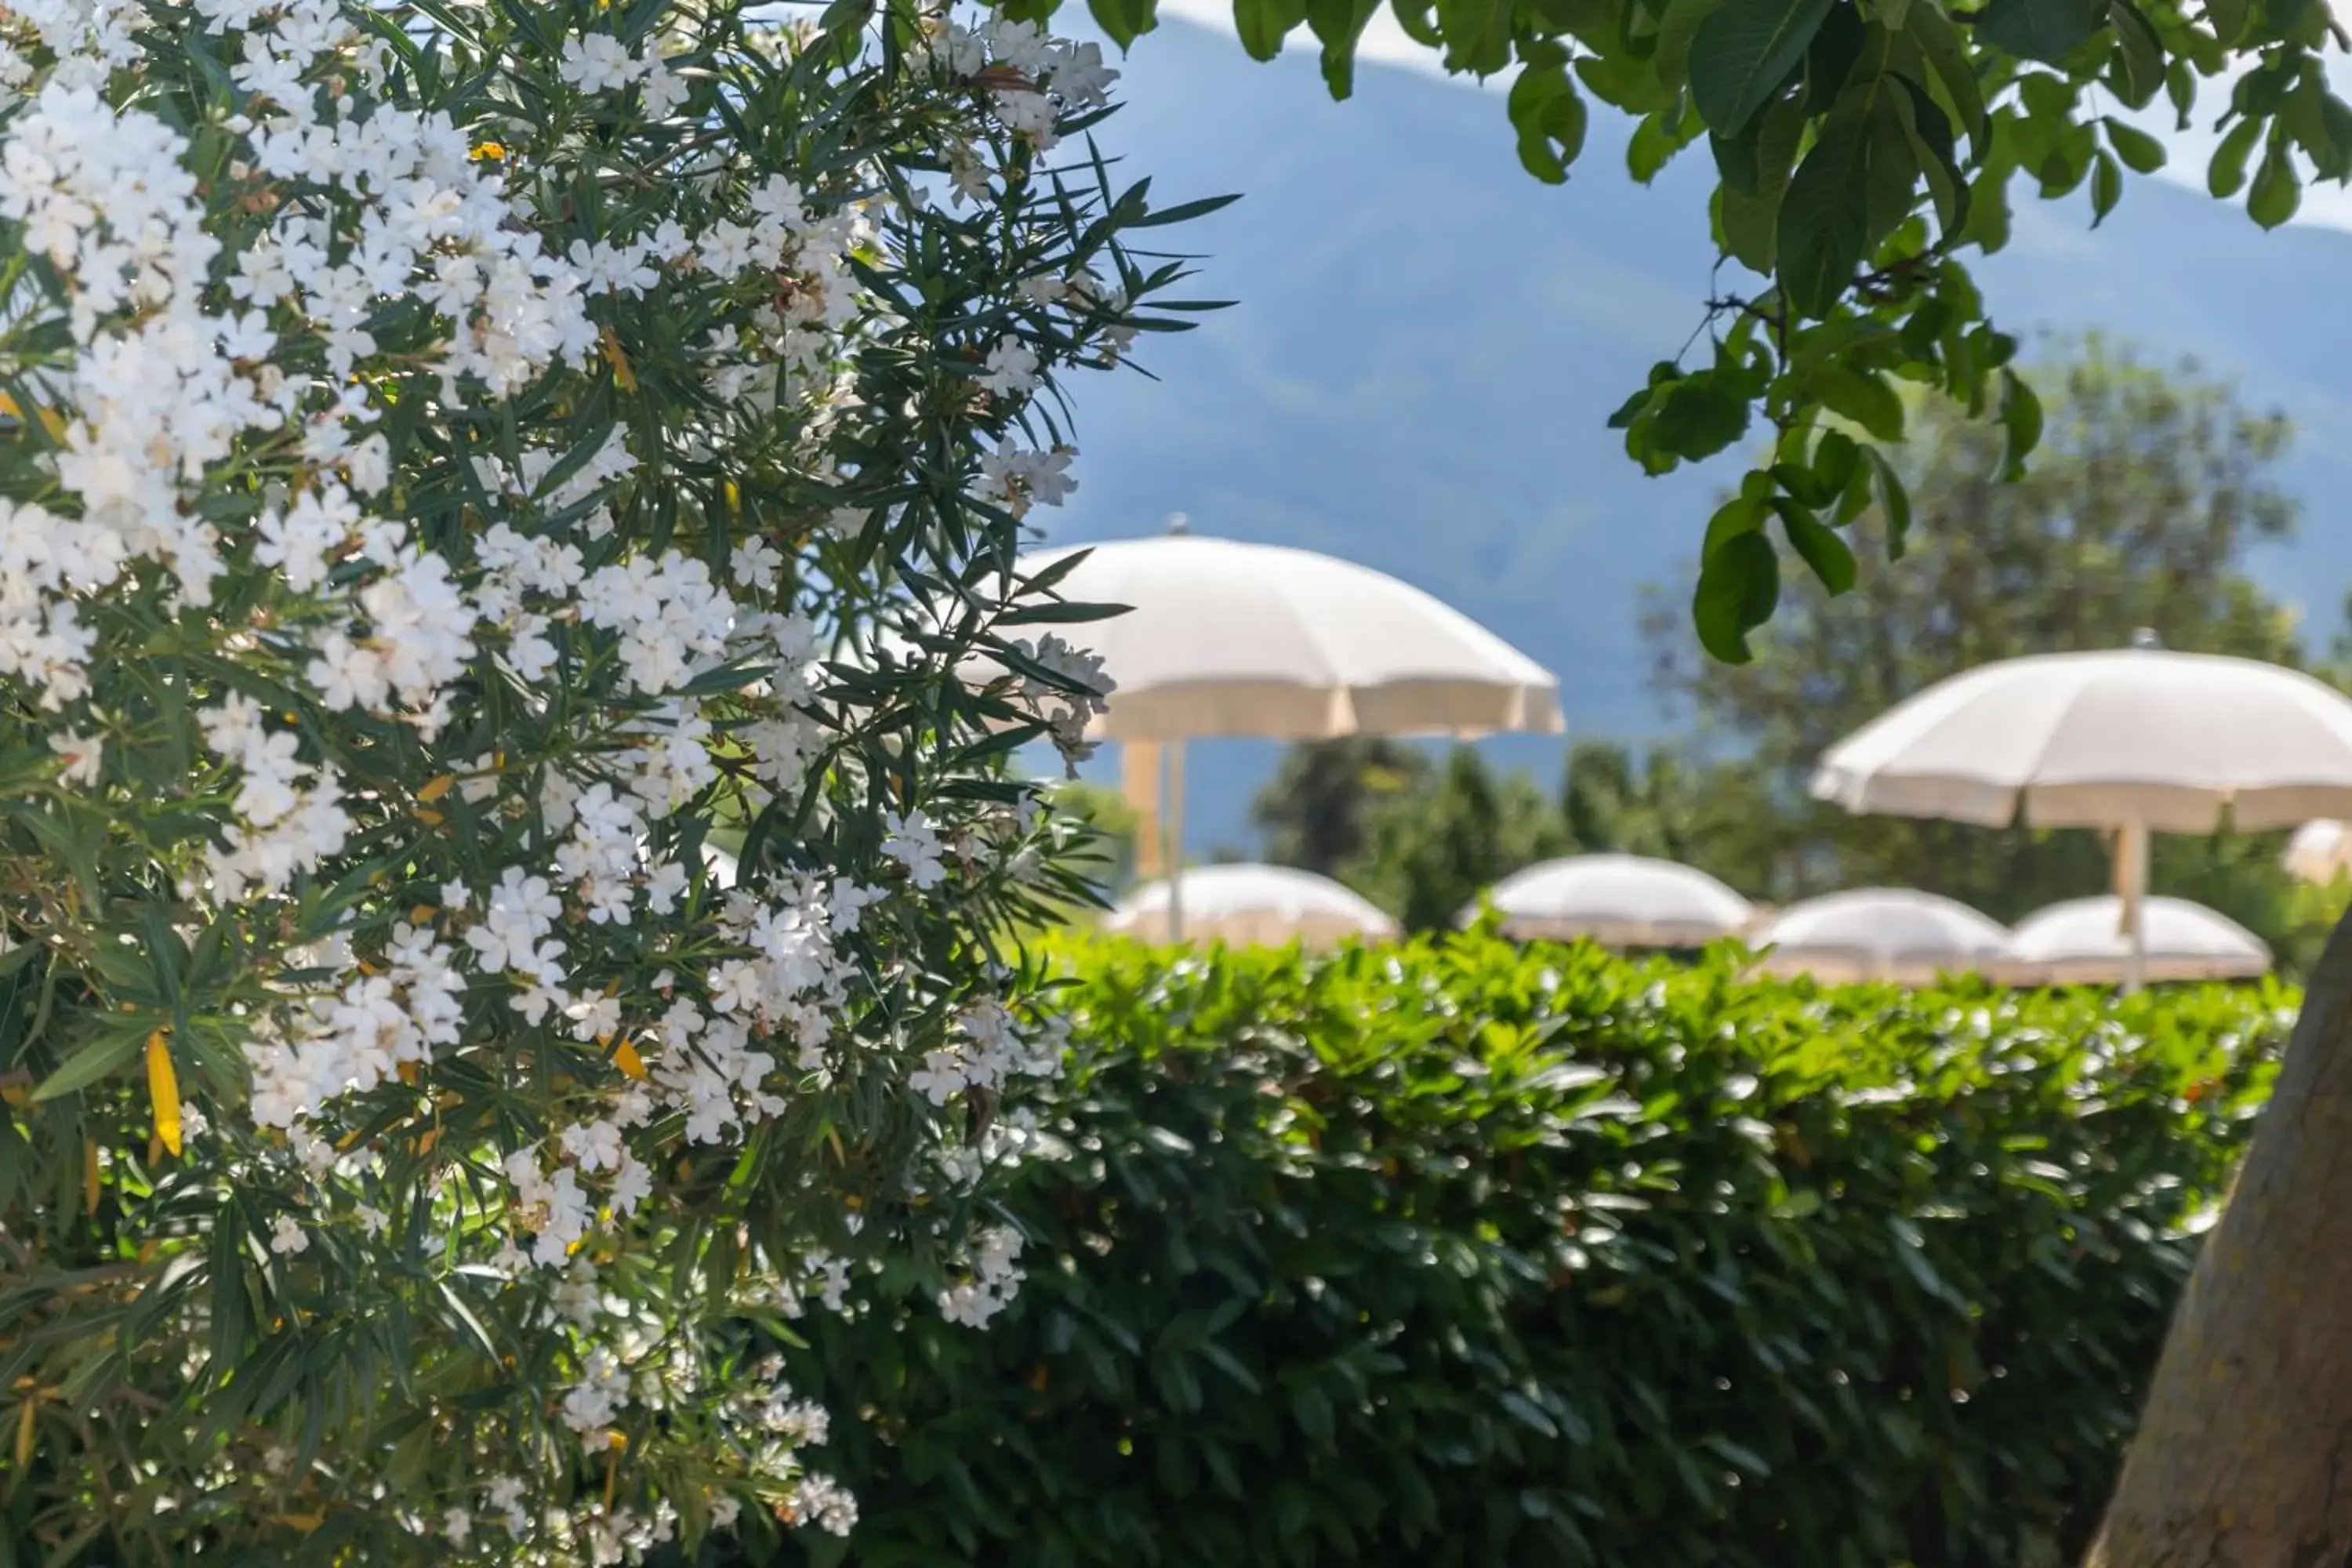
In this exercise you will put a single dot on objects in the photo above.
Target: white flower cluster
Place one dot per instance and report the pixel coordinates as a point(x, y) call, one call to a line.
point(996, 1276)
point(452, 664)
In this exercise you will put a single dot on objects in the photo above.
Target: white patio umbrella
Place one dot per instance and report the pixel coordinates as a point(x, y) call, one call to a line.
point(1879, 934)
point(2078, 943)
point(2136, 740)
point(1249, 906)
point(2320, 851)
point(1618, 901)
point(1228, 638)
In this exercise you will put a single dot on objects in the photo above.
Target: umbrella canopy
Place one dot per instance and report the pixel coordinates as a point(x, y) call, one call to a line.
point(2078, 943)
point(2167, 740)
point(1618, 901)
point(1879, 934)
point(1250, 906)
point(2320, 851)
point(2137, 740)
point(1227, 639)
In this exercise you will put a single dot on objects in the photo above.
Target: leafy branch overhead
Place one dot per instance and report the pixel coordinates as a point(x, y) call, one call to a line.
point(1864, 148)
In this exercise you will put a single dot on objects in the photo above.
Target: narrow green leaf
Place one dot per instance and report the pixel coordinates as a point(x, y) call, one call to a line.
point(107, 1049)
point(2106, 187)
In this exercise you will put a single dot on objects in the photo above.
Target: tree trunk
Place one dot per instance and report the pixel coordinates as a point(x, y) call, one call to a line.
point(2244, 1453)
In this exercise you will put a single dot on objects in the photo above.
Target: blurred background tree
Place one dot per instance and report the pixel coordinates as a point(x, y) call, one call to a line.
point(2151, 487)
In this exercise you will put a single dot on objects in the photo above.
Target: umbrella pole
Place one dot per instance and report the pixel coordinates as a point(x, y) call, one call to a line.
point(1172, 815)
point(2131, 892)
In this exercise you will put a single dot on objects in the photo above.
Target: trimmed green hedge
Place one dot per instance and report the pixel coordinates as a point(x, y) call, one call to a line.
point(1469, 1254)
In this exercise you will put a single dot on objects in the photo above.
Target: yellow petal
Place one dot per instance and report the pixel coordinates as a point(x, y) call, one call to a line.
point(430, 819)
point(618, 358)
point(164, 1089)
point(625, 1057)
point(436, 788)
point(25, 1434)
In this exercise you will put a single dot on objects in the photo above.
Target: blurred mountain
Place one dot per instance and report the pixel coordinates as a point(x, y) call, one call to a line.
point(1428, 344)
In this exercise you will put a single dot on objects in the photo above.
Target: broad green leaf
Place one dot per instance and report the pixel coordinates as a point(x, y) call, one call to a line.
point(1742, 54)
point(2141, 154)
point(2228, 18)
point(2106, 187)
point(1929, 136)
point(1124, 21)
point(1550, 116)
point(1750, 222)
point(2278, 189)
point(1338, 25)
point(2046, 30)
point(1477, 35)
point(1670, 58)
point(2138, 54)
point(1824, 223)
point(2226, 174)
point(1948, 57)
point(1894, 501)
point(1261, 25)
point(2021, 416)
point(1738, 588)
point(1861, 396)
point(1819, 545)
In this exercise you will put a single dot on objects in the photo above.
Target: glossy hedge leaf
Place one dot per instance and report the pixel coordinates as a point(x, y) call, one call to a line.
point(2046, 30)
point(1548, 115)
point(1739, 589)
point(1445, 1083)
point(1742, 54)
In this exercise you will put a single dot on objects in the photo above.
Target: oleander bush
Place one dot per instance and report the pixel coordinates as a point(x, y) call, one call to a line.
point(463, 459)
point(1459, 1253)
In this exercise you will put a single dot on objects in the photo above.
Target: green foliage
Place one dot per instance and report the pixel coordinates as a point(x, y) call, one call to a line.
point(1420, 840)
point(1467, 1254)
point(2150, 490)
point(1866, 152)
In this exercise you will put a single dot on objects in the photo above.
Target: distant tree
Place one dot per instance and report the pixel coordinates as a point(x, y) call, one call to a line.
point(1105, 850)
point(1429, 849)
point(2150, 489)
point(1313, 812)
